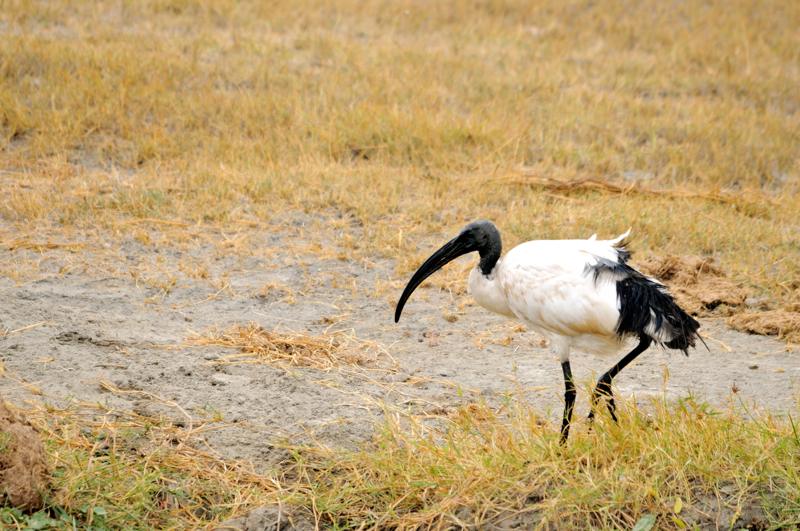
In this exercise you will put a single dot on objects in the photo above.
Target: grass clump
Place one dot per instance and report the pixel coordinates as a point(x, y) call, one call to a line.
point(121, 470)
point(784, 324)
point(257, 345)
point(681, 465)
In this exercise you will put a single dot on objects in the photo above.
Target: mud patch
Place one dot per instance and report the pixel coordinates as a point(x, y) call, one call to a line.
point(269, 518)
point(725, 511)
point(23, 466)
point(72, 337)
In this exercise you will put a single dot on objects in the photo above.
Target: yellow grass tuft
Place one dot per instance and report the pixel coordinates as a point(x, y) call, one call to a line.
point(276, 291)
point(781, 323)
point(257, 345)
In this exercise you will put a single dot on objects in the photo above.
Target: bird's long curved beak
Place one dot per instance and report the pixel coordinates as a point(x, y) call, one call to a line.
point(447, 253)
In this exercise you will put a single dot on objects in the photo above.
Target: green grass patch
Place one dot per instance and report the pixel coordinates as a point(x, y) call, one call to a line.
point(678, 465)
point(674, 465)
point(117, 470)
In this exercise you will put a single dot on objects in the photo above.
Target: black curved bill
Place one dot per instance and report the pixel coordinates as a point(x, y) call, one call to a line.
point(447, 253)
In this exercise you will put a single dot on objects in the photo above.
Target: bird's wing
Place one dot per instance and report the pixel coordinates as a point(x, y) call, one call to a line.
point(550, 286)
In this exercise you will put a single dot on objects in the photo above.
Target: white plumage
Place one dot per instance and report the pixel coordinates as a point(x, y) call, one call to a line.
point(580, 294)
point(545, 285)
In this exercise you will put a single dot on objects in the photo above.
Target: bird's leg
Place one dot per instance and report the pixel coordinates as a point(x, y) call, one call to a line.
point(569, 400)
point(603, 387)
point(604, 383)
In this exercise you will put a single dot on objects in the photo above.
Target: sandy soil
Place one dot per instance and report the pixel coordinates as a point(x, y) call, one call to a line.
point(91, 327)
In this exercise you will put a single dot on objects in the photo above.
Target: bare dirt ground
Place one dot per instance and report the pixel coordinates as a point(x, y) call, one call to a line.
point(88, 336)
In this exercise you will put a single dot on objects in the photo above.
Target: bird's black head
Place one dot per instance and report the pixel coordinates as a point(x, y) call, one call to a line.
point(481, 236)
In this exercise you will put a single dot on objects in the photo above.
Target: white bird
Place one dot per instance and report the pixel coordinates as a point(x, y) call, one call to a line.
point(580, 294)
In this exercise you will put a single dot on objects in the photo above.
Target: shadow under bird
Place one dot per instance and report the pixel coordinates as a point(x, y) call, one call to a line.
point(580, 294)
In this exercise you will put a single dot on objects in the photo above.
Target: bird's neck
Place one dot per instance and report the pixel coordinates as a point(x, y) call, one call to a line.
point(490, 252)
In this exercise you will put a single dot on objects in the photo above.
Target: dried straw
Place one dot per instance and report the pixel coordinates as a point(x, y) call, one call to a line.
point(257, 345)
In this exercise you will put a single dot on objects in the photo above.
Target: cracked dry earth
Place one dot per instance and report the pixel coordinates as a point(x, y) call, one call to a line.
point(99, 337)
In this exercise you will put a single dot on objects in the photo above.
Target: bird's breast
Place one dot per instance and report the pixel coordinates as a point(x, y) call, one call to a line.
point(487, 292)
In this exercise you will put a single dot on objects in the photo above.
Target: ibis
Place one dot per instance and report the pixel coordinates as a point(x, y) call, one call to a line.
point(580, 294)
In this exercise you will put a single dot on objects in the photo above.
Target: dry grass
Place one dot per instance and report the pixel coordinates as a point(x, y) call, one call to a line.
point(779, 323)
point(702, 288)
point(682, 465)
point(113, 469)
point(402, 121)
point(699, 285)
point(257, 345)
point(175, 123)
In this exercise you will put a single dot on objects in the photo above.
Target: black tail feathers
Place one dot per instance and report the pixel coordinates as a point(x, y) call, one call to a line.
point(646, 307)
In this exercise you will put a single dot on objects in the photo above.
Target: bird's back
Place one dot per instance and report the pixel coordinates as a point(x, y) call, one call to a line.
point(549, 286)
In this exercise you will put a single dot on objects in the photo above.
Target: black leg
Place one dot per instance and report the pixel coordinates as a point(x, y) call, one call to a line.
point(604, 383)
point(569, 400)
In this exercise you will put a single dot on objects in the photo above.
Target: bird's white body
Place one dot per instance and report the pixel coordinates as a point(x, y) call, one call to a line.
point(581, 294)
point(549, 286)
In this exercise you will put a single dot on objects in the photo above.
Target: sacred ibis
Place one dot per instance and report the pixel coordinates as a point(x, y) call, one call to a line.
point(580, 294)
